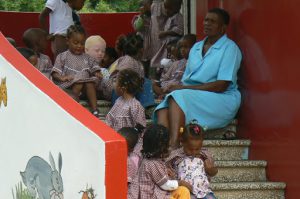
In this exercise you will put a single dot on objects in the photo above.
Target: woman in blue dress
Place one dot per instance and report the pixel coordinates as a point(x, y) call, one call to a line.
point(209, 91)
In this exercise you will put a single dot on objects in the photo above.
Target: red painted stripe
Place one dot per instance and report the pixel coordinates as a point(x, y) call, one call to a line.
point(115, 146)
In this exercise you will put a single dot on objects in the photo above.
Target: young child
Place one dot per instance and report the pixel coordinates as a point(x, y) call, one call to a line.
point(192, 163)
point(110, 57)
point(132, 134)
point(173, 75)
point(29, 55)
point(153, 180)
point(127, 111)
point(36, 39)
point(173, 30)
point(95, 47)
point(61, 18)
point(75, 70)
point(141, 24)
point(12, 41)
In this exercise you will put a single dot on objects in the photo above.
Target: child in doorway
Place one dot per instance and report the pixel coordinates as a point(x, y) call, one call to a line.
point(192, 163)
point(61, 18)
point(29, 55)
point(36, 39)
point(77, 71)
point(153, 180)
point(132, 134)
point(127, 111)
point(173, 30)
point(173, 75)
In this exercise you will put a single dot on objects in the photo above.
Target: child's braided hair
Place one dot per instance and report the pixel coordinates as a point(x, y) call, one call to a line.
point(130, 81)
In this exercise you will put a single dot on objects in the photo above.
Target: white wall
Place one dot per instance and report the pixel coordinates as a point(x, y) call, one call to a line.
point(32, 124)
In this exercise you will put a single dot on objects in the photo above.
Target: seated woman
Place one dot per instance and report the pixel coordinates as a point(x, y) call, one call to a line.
point(209, 92)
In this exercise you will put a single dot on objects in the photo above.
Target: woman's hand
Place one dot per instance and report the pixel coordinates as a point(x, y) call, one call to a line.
point(172, 87)
point(185, 184)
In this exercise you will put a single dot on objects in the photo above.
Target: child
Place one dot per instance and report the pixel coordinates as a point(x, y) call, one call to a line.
point(95, 47)
point(75, 70)
point(174, 74)
point(29, 55)
point(12, 41)
point(173, 30)
point(132, 134)
point(110, 57)
point(153, 180)
point(192, 163)
point(141, 24)
point(61, 18)
point(36, 39)
point(127, 111)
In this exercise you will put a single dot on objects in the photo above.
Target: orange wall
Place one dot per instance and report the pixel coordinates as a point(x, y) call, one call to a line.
point(268, 34)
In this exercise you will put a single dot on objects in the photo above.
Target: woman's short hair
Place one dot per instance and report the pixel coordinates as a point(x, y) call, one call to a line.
point(223, 14)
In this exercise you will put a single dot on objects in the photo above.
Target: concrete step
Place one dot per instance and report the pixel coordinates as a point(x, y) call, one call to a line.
point(228, 149)
point(240, 171)
point(103, 106)
point(249, 190)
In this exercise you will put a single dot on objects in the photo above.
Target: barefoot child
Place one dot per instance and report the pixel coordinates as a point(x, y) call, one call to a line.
point(153, 180)
point(127, 111)
point(192, 163)
point(75, 70)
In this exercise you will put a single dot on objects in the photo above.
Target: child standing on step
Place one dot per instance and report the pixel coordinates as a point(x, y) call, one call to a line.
point(192, 163)
point(76, 71)
point(36, 39)
point(60, 19)
point(153, 180)
point(127, 111)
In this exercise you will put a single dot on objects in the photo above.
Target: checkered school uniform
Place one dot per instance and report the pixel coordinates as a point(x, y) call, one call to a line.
point(174, 23)
point(124, 62)
point(132, 166)
point(191, 169)
point(126, 113)
point(80, 67)
point(44, 64)
point(174, 74)
point(152, 174)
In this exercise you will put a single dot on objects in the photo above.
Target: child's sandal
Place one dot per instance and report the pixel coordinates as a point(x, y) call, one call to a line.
point(96, 113)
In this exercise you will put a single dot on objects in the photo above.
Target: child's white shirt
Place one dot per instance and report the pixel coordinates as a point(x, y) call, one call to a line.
point(60, 18)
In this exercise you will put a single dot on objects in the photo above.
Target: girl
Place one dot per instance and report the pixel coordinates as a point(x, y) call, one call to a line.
point(153, 180)
point(127, 111)
point(75, 70)
point(133, 160)
point(192, 163)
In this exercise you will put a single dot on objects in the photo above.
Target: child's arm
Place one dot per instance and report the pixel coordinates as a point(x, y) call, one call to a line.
point(43, 18)
point(210, 168)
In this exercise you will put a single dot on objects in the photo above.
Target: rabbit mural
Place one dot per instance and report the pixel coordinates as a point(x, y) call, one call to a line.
point(3, 92)
point(42, 180)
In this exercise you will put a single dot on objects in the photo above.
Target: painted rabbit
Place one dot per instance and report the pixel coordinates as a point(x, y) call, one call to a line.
point(42, 178)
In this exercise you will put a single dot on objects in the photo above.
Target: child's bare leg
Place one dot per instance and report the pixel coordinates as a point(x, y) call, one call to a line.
point(91, 94)
point(176, 120)
point(76, 89)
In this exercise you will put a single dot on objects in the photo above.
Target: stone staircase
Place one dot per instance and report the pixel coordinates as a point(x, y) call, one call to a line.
point(238, 177)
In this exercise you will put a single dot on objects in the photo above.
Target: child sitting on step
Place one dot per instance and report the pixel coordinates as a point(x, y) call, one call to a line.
point(29, 54)
point(36, 40)
point(76, 71)
point(193, 164)
point(127, 110)
point(153, 180)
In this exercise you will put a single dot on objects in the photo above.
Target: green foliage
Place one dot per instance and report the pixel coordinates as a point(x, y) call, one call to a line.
point(21, 192)
point(90, 5)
